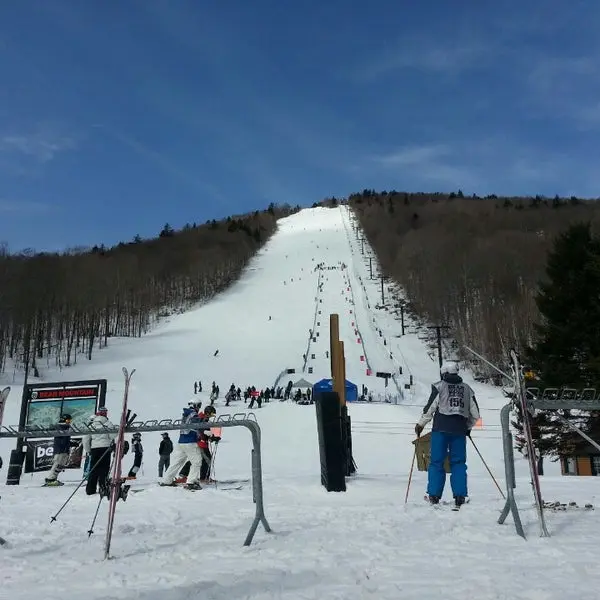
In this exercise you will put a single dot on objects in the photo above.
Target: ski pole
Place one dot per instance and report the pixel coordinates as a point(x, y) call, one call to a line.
point(91, 529)
point(52, 519)
point(488, 469)
point(412, 466)
point(2, 540)
point(211, 474)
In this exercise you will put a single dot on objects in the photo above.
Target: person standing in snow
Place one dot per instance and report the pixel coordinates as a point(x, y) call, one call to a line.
point(204, 437)
point(99, 446)
point(138, 455)
point(187, 450)
point(61, 447)
point(164, 453)
point(185, 470)
point(454, 410)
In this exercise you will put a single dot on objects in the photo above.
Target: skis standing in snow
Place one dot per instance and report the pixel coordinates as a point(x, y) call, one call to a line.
point(454, 411)
point(116, 481)
point(3, 398)
point(526, 410)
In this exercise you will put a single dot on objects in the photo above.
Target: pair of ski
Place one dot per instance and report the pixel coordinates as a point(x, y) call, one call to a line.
point(3, 398)
point(117, 479)
point(556, 506)
point(528, 411)
point(521, 400)
point(233, 484)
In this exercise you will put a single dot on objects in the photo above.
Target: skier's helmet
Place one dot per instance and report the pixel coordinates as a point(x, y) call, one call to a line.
point(136, 436)
point(210, 410)
point(66, 418)
point(449, 367)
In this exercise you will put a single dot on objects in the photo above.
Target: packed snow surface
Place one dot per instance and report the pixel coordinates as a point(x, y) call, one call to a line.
point(170, 544)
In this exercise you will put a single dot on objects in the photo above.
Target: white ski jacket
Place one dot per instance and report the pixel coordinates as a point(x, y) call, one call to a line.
point(103, 440)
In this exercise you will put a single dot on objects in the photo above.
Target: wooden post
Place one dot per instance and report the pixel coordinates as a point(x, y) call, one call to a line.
point(334, 336)
point(341, 388)
point(338, 361)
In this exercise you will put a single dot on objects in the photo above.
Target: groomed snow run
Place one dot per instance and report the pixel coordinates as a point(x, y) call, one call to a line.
point(170, 544)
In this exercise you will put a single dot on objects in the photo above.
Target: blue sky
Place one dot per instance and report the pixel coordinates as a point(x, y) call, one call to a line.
point(121, 115)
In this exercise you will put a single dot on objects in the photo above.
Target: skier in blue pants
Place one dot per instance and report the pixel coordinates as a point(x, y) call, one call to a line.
point(454, 410)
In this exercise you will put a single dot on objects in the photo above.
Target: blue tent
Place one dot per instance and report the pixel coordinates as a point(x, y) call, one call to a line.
point(326, 385)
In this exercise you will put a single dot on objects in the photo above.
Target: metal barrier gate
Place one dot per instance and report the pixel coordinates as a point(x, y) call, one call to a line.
point(549, 399)
point(236, 420)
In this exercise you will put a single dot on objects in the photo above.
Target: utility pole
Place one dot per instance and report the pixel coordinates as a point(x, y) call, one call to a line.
point(438, 330)
point(362, 241)
point(371, 267)
point(402, 316)
point(382, 297)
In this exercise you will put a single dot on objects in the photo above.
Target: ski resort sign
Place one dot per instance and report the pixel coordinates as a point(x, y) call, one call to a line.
point(40, 454)
point(47, 401)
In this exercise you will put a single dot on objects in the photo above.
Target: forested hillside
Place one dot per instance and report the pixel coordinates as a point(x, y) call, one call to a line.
point(472, 263)
point(55, 307)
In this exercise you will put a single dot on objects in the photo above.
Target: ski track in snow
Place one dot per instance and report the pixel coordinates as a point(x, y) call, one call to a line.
point(169, 544)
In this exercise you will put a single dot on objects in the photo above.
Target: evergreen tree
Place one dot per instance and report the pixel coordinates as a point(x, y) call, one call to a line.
point(567, 351)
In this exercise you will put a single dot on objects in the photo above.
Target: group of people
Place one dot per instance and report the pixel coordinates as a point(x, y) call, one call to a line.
point(99, 449)
point(191, 464)
point(192, 461)
point(451, 405)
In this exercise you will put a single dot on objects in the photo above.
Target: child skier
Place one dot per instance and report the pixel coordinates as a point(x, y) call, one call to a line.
point(62, 447)
point(138, 454)
point(204, 437)
point(164, 452)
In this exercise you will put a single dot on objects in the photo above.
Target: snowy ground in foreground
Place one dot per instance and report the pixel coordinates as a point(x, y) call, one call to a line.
point(170, 544)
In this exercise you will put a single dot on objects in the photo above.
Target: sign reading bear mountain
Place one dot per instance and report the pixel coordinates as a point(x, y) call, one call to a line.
point(46, 402)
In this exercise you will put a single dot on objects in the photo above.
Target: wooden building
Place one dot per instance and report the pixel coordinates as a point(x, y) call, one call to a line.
point(584, 460)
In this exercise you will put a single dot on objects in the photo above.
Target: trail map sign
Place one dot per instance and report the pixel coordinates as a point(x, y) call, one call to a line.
point(47, 401)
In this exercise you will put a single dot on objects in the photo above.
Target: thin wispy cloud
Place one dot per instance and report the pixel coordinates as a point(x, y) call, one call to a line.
point(499, 164)
point(567, 87)
point(437, 163)
point(426, 54)
point(413, 155)
point(22, 207)
point(41, 144)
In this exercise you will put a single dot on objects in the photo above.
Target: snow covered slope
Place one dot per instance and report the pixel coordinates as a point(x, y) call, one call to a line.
point(170, 544)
